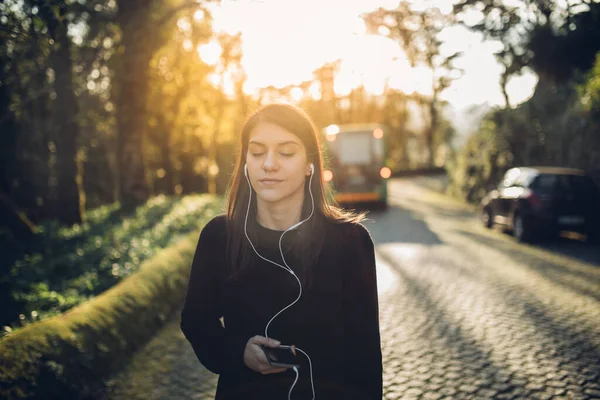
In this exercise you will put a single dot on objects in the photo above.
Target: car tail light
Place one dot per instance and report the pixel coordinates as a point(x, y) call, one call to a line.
point(534, 200)
point(327, 175)
point(385, 172)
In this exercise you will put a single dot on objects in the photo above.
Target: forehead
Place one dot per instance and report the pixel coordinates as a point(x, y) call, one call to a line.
point(272, 135)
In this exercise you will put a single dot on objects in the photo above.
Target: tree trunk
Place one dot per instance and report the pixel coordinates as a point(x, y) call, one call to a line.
point(212, 177)
point(131, 114)
point(69, 202)
point(503, 83)
point(431, 131)
point(30, 183)
point(9, 129)
point(190, 180)
point(166, 148)
point(403, 135)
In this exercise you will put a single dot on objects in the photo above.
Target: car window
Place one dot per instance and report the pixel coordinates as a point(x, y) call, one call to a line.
point(544, 183)
point(578, 185)
point(575, 184)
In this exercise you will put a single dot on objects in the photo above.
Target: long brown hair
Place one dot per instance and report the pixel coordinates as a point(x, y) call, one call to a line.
point(310, 235)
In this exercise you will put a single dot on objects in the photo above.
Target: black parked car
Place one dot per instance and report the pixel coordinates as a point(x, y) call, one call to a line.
point(540, 201)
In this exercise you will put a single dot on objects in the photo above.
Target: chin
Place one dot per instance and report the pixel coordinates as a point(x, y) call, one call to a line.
point(270, 197)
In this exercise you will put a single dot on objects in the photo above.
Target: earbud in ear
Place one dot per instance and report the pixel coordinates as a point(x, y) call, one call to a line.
point(312, 168)
point(246, 169)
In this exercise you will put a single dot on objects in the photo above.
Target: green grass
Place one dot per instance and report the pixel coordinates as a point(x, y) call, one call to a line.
point(69, 355)
point(77, 263)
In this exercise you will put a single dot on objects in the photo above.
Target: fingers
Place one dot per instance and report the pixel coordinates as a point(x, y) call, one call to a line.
point(274, 370)
point(256, 359)
point(265, 341)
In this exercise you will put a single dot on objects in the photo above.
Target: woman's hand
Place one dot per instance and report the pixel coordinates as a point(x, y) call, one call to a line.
point(255, 358)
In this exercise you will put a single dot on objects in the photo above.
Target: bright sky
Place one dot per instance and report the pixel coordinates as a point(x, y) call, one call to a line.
point(286, 40)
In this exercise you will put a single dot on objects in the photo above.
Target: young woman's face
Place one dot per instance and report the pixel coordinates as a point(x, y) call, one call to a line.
point(277, 163)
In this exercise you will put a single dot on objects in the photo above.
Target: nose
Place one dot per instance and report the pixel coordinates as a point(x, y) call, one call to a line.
point(270, 163)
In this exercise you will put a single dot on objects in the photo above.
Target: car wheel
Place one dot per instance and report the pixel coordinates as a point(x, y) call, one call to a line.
point(521, 229)
point(487, 218)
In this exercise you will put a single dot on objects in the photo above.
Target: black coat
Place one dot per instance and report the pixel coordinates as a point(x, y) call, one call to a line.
point(335, 321)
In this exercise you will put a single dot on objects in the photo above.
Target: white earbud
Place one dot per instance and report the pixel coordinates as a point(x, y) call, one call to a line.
point(246, 169)
point(312, 168)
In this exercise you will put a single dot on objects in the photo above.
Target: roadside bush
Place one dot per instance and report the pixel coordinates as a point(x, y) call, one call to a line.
point(478, 165)
point(75, 264)
point(68, 356)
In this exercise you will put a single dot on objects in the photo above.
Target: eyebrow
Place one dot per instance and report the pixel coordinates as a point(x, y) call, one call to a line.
point(278, 144)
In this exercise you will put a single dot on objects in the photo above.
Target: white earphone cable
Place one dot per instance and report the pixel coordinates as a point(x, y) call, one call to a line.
point(287, 268)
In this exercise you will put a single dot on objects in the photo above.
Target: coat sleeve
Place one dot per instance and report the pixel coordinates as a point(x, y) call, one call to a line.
point(202, 311)
point(363, 366)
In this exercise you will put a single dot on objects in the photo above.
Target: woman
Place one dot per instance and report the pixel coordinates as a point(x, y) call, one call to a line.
point(284, 267)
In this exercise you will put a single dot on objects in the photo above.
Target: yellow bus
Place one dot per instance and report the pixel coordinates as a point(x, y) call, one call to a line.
point(356, 169)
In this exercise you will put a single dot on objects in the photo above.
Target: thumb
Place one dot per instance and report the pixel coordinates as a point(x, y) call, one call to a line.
point(265, 341)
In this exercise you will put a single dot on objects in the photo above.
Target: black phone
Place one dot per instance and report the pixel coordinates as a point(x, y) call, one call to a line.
point(281, 356)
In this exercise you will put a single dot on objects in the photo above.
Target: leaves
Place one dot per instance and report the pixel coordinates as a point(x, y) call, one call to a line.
point(83, 261)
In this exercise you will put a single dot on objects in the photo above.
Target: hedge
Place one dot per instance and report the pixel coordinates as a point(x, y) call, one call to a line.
point(68, 356)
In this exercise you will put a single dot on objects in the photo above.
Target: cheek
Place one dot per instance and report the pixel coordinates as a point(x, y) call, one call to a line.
point(297, 172)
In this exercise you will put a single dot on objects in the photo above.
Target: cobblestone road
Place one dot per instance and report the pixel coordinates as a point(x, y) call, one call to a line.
point(466, 313)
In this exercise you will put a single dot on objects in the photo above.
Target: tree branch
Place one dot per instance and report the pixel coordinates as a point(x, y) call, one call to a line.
point(175, 10)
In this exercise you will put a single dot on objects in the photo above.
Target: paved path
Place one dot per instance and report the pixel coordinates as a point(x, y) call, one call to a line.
point(466, 313)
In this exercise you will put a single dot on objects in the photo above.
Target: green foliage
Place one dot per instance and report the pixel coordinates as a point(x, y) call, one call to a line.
point(558, 126)
point(552, 38)
point(69, 355)
point(479, 164)
point(590, 91)
point(82, 261)
point(419, 33)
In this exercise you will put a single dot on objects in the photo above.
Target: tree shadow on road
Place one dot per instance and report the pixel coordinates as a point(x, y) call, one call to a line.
point(570, 337)
point(558, 337)
point(573, 248)
point(397, 224)
point(582, 280)
point(564, 246)
point(444, 336)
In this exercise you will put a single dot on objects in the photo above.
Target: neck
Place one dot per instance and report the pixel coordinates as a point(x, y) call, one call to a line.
point(281, 215)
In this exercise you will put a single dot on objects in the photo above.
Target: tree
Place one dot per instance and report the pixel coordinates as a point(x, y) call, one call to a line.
point(69, 203)
point(231, 56)
point(417, 32)
point(25, 108)
point(142, 25)
point(40, 110)
point(553, 38)
point(179, 97)
point(396, 116)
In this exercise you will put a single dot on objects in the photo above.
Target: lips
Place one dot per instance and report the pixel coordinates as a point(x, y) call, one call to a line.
point(269, 182)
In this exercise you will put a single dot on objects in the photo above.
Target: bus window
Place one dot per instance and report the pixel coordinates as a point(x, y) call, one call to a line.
point(357, 158)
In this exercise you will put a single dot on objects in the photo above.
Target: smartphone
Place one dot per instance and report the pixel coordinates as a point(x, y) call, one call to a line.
point(281, 356)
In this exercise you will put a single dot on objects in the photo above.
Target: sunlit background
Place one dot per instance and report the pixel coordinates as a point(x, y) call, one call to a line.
point(285, 41)
point(120, 121)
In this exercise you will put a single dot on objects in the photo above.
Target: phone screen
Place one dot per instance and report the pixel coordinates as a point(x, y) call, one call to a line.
point(281, 357)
